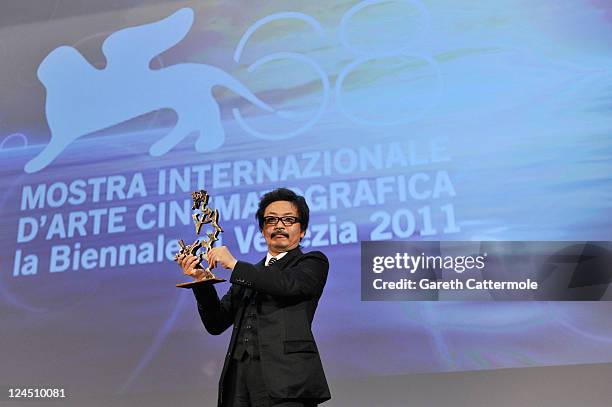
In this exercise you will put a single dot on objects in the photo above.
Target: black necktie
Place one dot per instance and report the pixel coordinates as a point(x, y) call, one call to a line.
point(272, 261)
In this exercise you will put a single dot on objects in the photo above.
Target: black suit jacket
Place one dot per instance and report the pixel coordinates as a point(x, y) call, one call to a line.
point(287, 294)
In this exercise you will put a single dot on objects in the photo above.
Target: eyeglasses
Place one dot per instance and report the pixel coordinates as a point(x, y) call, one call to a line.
point(287, 220)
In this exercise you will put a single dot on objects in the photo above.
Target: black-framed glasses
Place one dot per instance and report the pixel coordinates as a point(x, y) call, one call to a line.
point(287, 220)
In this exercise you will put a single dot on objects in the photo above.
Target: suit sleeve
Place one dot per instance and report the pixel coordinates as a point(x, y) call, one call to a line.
point(216, 315)
point(305, 279)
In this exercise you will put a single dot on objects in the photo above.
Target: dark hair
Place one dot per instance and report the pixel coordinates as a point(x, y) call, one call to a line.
point(284, 194)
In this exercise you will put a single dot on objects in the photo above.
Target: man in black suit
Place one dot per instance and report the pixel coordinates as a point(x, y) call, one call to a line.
point(272, 358)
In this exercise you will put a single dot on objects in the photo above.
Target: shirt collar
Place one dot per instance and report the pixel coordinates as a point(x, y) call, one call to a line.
point(278, 257)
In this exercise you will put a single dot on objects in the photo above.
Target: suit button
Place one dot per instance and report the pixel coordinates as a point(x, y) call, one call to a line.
point(248, 326)
point(246, 339)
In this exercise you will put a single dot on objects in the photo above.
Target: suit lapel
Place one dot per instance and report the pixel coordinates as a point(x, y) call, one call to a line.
point(288, 258)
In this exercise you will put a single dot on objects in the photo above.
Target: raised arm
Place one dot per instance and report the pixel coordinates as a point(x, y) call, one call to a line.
point(216, 315)
point(305, 279)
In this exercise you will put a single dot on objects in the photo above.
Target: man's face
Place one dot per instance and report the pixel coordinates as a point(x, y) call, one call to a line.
point(281, 238)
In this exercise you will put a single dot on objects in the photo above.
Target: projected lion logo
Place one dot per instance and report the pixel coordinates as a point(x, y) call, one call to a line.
point(82, 99)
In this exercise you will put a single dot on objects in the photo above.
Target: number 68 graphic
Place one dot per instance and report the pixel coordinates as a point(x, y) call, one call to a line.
point(363, 57)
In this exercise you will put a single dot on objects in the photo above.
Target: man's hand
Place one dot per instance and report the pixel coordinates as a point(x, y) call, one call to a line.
point(221, 255)
point(188, 263)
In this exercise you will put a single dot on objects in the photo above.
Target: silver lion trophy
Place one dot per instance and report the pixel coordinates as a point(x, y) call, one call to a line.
point(202, 215)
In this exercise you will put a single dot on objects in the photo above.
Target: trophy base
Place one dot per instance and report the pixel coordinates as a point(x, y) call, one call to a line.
point(196, 283)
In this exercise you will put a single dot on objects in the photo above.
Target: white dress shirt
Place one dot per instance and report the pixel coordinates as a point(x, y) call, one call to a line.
point(278, 257)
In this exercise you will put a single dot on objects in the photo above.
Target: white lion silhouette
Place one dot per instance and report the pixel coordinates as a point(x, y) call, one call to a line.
point(82, 99)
